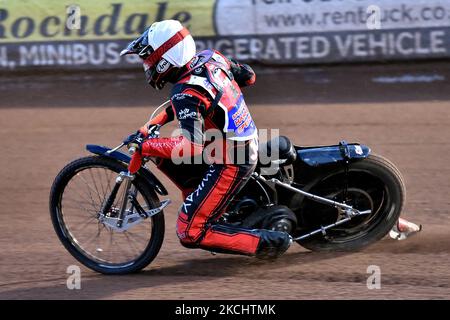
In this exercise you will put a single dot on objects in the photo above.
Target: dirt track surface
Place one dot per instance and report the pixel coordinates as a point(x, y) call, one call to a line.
point(37, 143)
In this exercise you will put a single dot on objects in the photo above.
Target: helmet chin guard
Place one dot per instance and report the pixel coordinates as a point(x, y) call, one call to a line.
point(157, 76)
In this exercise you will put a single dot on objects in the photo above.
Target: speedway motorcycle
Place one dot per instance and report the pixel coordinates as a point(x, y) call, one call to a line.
point(328, 198)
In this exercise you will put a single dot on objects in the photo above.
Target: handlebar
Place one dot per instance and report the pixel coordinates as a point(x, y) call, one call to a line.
point(153, 132)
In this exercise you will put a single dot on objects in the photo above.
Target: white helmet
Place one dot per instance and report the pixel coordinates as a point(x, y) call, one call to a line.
point(164, 46)
point(179, 54)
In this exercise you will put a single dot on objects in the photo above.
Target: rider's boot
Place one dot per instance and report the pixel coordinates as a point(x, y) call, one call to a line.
point(273, 244)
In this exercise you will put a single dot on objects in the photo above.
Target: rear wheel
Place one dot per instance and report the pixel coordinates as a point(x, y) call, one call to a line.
point(373, 183)
point(76, 198)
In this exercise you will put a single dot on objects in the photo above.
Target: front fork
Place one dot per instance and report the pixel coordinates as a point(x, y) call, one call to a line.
point(124, 177)
point(127, 178)
point(122, 218)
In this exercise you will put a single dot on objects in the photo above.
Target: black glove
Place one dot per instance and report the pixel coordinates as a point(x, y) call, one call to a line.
point(136, 138)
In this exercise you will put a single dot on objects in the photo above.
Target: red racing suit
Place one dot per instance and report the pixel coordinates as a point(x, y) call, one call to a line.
point(207, 97)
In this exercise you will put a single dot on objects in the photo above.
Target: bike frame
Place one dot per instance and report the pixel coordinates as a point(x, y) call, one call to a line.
point(349, 211)
point(312, 156)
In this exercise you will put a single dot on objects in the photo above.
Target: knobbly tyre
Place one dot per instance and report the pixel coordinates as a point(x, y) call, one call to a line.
point(328, 198)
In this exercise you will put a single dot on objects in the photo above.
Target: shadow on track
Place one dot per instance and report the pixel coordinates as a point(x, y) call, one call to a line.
point(96, 286)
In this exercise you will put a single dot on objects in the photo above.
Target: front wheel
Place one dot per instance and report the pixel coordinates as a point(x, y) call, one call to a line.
point(372, 184)
point(76, 199)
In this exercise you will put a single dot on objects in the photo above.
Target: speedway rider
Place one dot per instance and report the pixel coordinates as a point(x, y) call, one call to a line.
point(205, 95)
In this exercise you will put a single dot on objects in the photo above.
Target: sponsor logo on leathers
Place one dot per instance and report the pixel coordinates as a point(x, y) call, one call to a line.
point(186, 114)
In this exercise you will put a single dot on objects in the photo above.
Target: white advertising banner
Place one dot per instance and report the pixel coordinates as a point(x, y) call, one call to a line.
point(89, 35)
point(264, 17)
